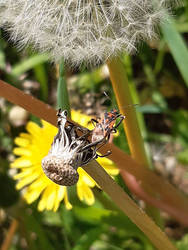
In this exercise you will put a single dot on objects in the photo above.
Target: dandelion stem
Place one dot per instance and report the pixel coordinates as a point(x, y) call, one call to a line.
point(128, 206)
point(118, 76)
point(62, 92)
point(10, 234)
point(120, 85)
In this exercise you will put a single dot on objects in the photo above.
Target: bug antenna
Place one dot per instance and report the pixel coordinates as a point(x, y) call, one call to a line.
point(107, 96)
point(127, 106)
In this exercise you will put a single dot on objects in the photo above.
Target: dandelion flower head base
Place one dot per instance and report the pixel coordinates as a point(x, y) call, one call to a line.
point(82, 30)
point(66, 153)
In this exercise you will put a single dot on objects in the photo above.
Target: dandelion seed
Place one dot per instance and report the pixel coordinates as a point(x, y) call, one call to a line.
point(87, 31)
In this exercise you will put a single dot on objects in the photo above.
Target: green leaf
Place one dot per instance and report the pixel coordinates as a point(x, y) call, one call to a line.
point(32, 224)
point(87, 239)
point(28, 64)
point(152, 109)
point(179, 128)
point(52, 219)
point(2, 60)
point(177, 46)
point(9, 196)
point(183, 157)
point(183, 244)
point(91, 215)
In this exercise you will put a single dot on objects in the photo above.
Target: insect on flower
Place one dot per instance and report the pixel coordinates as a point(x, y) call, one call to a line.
point(105, 125)
point(68, 152)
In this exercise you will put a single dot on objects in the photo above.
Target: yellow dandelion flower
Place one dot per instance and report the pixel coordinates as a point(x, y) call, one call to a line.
point(31, 148)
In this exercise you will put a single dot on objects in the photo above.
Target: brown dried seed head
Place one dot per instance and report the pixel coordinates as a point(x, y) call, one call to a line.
point(59, 171)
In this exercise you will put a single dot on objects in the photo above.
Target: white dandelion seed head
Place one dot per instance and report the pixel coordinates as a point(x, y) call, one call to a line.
point(87, 31)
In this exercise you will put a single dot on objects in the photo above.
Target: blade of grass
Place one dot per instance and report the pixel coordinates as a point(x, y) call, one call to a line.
point(160, 58)
point(28, 64)
point(160, 192)
point(177, 47)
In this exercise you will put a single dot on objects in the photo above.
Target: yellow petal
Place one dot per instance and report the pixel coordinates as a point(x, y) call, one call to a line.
point(51, 198)
point(27, 180)
point(44, 198)
point(104, 161)
point(26, 136)
point(49, 127)
point(86, 178)
point(60, 195)
point(22, 142)
point(21, 163)
point(108, 165)
point(33, 129)
point(42, 181)
point(31, 195)
point(82, 119)
point(67, 203)
point(113, 171)
point(24, 172)
point(22, 151)
point(85, 193)
point(80, 190)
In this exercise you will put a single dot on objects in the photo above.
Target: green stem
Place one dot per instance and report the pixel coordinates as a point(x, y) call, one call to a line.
point(62, 92)
point(122, 92)
point(127, 62)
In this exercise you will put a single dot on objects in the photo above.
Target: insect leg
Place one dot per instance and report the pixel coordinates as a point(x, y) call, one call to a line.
point(105, 155)
point(94, 121)
point(96, 149)
point(121, 119)
point(85, 135)
point(92, 144)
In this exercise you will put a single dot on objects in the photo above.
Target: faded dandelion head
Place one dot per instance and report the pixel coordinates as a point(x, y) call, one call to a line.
point(66, 154)
point(87, 31)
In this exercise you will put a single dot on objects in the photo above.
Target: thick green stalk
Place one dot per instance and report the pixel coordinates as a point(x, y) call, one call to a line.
point(62, 92)
point(122, 92)
point(127, 63)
